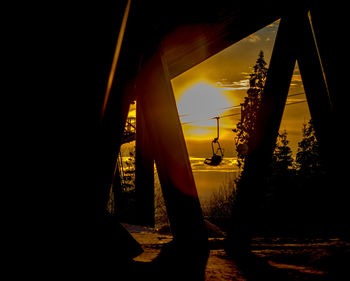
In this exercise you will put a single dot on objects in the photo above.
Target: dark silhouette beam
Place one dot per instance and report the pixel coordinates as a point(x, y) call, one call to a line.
point(315, 85)
point(261, 143)
point(275, 94)
point(174, 169)
point(144, 182)
point(189, 45)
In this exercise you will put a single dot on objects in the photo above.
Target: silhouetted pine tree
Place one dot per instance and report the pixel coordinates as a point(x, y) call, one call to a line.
point(312, 185)
point(240, 232)
point(280, 186)
point(308, 160)
point(282, 160)
point(250, 106)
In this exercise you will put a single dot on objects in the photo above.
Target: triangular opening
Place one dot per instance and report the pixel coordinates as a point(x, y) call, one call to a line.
point(296, 193)
point(296, 111)
point(215, 88)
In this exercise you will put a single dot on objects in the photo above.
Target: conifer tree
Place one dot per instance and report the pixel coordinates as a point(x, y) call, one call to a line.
point(250, 107)
point(280, 180)
point(308, 161)
point(282, 160)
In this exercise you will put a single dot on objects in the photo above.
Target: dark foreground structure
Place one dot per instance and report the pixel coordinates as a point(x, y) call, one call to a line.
point(128, 51)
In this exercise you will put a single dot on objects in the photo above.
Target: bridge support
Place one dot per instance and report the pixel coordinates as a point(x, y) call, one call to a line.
point(167, 141)
point(144, 182)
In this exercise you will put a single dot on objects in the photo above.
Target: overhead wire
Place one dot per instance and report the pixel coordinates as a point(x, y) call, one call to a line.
point(235, 114)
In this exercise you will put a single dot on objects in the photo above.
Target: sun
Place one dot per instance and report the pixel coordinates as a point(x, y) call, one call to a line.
point(197, 107)
point(201, 102)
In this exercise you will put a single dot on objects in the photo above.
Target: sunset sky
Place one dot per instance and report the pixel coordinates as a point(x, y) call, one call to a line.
point(215, 88)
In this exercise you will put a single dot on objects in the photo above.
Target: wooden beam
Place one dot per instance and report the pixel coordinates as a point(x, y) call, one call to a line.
point(115, 108)
point(189, 45)
point(174, 169)
point(327, 28)
point(274, 97)
point(144, 182)
point(329, 23)
point(262, 142)
point(294, 41)
point(315, 85)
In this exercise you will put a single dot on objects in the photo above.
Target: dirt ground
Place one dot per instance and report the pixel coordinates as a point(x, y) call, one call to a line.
point(293, 259)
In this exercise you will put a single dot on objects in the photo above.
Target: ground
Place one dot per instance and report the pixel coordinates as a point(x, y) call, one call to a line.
point(313, 259)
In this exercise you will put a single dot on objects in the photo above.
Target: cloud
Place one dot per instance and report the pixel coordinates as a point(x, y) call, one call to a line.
point(293, 100)
point(246, 74)
point(236, 85)
point(296, 78)
point(228, 164)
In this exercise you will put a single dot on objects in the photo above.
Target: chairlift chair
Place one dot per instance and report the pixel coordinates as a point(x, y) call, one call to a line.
point(218, 155)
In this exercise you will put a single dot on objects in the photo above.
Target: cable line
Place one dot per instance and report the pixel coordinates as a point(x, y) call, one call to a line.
point(234, 114)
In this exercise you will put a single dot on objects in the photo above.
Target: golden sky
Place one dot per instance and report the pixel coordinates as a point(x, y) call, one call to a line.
point(215, 88)
point(218, 85)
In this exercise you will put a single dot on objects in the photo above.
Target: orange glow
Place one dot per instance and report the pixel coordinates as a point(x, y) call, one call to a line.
point(201, 102)
point(197, 106)
point(199, 133)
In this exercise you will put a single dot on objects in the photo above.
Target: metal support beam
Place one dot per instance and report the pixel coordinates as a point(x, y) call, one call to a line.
point(327, 33)
point(261, 144)
point(294, 41)
point(144, 172)
point(161, 117)
point(315, 85)
point(115, 108)
point(331, 52)
point(274, 96)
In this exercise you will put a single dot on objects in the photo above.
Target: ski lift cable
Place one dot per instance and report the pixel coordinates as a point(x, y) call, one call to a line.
point(295, 102)
point(234, 114)
point(238, 106)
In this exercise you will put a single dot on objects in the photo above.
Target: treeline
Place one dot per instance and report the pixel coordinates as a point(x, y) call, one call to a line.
point(294, 194)
point(296, 191)
point(297, 194)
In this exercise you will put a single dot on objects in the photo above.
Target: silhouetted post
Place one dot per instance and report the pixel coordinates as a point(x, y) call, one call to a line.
point(315, 85)
point(294, 41)
point(326, 31)
point(173, 165)
point(119, 94)
point(144, 182)
point(261, 143)
point(188, 252)
point(332, 53)
point(94, 237)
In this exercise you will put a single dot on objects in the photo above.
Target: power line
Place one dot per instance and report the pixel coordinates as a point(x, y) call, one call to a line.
point(237, 106)
point(295, 102)
point(292, 95)
point(235, 114)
